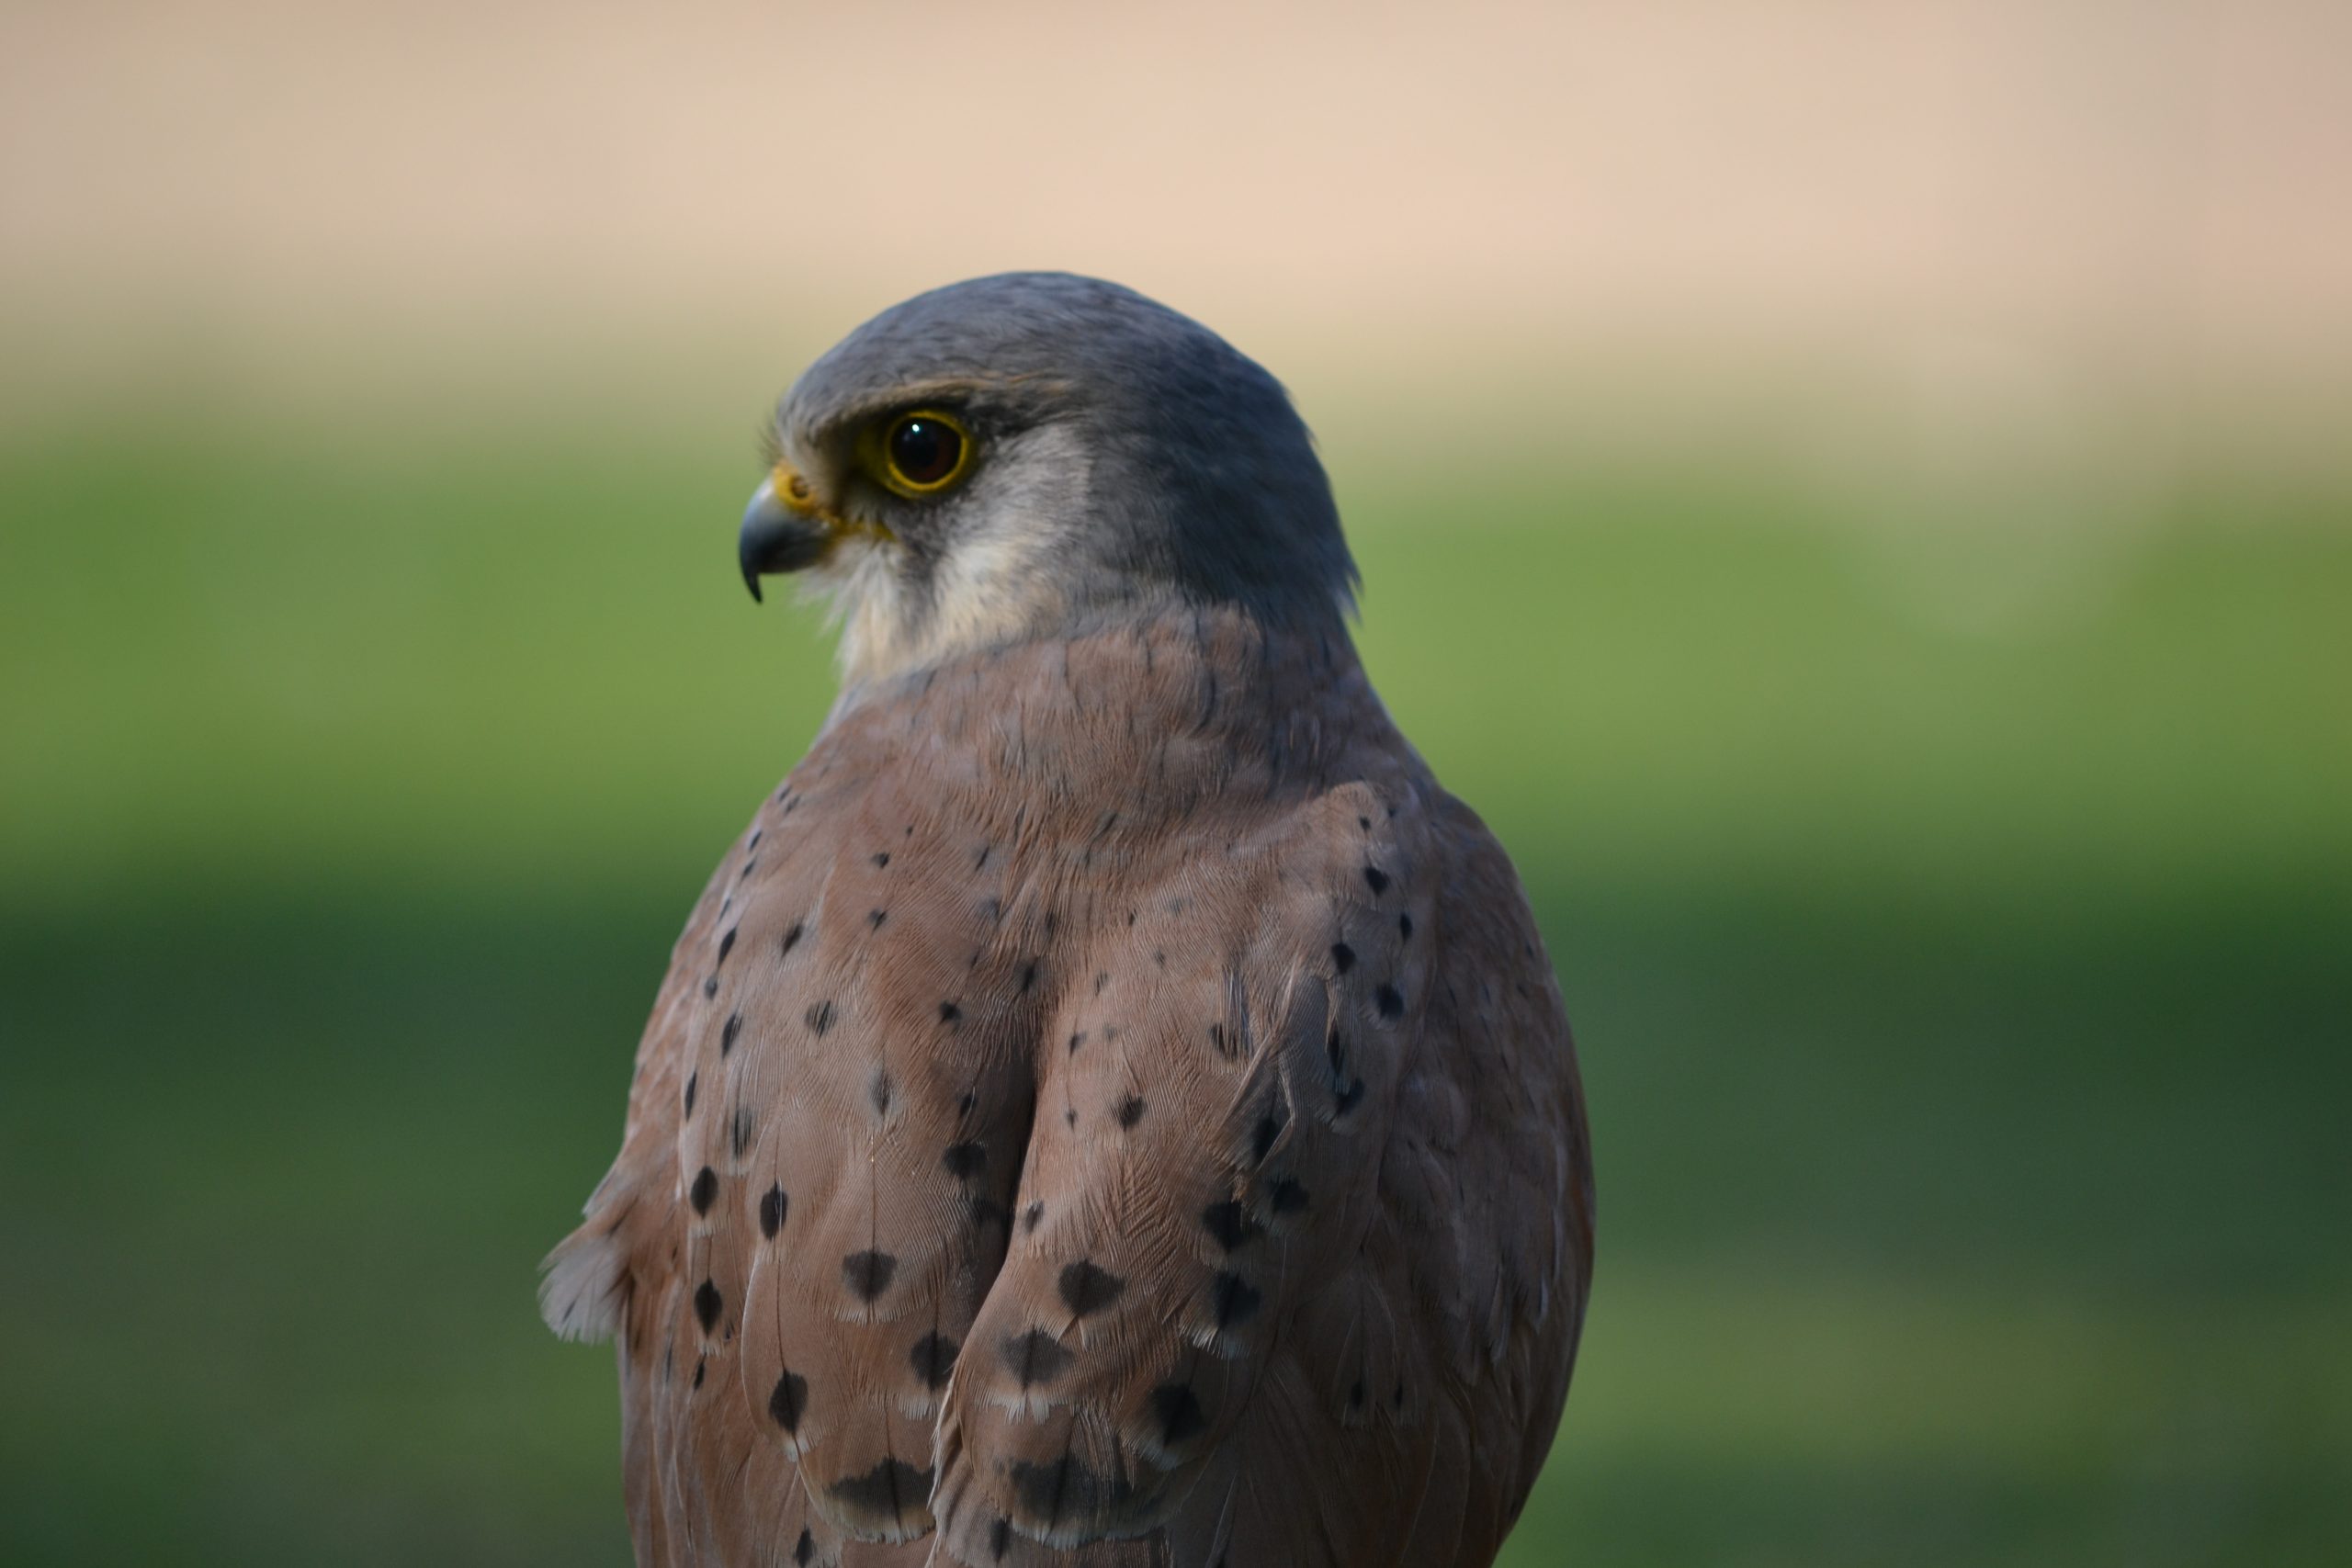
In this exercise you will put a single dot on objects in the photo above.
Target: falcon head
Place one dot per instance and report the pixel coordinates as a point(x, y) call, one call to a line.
point(1031, 454)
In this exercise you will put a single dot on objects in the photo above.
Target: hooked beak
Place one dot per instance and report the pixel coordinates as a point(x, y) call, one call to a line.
point(781, 532)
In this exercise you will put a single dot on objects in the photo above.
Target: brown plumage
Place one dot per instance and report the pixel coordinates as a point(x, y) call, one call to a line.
point(1112, 1107)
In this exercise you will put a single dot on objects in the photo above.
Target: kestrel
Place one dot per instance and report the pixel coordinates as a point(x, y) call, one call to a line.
point(1111, 1107)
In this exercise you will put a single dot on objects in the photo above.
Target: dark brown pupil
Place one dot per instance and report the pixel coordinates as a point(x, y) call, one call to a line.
point(924, 451)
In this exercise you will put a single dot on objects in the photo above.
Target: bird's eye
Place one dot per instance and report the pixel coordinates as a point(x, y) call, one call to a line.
point(924, 453)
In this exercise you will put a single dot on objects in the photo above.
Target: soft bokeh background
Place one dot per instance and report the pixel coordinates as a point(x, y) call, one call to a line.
point(1857, 493)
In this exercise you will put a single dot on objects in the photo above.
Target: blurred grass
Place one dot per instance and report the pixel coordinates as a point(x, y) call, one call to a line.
point(1961, 992)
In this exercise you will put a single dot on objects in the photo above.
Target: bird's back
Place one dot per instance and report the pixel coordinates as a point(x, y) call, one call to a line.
point(1111, 1107)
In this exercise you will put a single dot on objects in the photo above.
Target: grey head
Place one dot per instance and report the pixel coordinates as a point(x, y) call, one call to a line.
point(1031, 454)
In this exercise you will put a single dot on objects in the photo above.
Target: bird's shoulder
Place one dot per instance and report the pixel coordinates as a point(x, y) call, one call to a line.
point(1304, 1187)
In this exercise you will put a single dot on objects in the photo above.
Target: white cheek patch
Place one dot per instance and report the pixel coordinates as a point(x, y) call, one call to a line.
point(989, 590)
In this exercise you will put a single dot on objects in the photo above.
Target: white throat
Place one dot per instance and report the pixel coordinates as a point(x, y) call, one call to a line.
point(986, 590)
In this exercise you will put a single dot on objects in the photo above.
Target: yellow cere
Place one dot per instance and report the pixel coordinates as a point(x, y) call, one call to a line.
point(794, 492)
point(792, 489)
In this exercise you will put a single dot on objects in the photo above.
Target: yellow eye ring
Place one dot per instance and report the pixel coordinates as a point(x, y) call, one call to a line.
point(921, 452)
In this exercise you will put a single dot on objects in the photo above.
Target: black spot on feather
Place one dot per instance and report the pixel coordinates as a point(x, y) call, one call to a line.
point(773, 1207)
point(791, 939)
point(1234, 1300)
point(1270, 1128)
point(705, 1190)
point(706, 1305)
point(1375, 879)
point(885, 1491)
point(1229, 1222)
point(868, 1274)
point(1389, 1000)
point(965, 1161)
point(1344, 957)
point(933, 1356)
point(1130, 1111)
point(1035, 1358)
point(1068, 1488)
point(1178, 1411)
point(1087, 1290)
point(727, 1035)
point(787, 1404)
point(818, 1017)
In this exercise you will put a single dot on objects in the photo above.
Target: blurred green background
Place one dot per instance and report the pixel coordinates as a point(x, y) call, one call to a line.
point(1912, 683)
point(1964, 1019)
